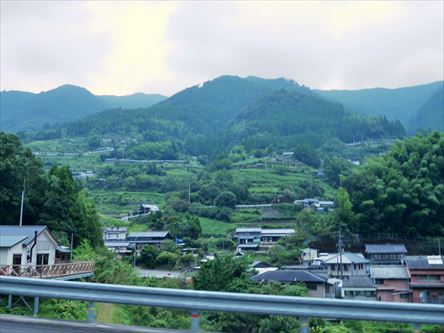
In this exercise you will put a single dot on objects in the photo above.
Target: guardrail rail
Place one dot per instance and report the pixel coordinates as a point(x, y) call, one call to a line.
point(196, 301)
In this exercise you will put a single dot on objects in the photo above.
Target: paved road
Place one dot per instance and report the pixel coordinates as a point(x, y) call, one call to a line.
point(159, 273)
point(19, 324)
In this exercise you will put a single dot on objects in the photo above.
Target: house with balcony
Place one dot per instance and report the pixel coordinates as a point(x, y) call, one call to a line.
point(392, 283)
point(426, 278)
point(27, 245)
point(253, 238)
point(385, 254)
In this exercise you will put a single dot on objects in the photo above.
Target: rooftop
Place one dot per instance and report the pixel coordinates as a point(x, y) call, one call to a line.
point(148, 234)
point(119, 229)
point(26, 232)
point(389, 272)
point(358, 281)
point(347, 258)
point(385, 248)
point(10, 241)
point(288, 276)
point(425, 262)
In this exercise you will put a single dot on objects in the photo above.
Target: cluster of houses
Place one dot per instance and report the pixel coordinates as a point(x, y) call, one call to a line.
point(385, 273)
point(118, 240)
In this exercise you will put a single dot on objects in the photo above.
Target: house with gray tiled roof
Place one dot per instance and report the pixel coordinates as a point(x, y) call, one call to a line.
point(316, 285)
point(359, 287)
point(346, 264)
point(392, 283)
point(385, 254)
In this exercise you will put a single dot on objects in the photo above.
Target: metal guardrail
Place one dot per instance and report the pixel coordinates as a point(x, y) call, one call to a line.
point(196, 301)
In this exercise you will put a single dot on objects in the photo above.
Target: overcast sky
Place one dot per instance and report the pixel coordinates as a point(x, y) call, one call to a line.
point(126, 47)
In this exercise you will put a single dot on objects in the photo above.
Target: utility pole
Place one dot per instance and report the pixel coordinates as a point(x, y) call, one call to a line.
point(189, 193)
point(21, 205)
point(340, 249)
point(72, 243)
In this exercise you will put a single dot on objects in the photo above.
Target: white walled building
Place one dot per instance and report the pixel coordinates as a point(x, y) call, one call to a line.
point(18, 242)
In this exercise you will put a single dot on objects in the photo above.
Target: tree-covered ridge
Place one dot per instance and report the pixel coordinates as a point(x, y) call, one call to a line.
point(228, 111)
point(300, 118)
point(403, 191)
point(53, 199)
point(28, 111)
point(400, 103)
point(431, 114)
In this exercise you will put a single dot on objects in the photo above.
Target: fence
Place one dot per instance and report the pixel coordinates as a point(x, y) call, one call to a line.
point(48, 271)
point(197, 301)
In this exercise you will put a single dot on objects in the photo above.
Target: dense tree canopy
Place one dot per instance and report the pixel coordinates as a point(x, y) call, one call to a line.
point(402, 191)
point(52, 199)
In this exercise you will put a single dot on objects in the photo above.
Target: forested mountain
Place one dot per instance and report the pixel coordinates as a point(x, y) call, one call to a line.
point(401, 103)
point(431, 115)
point(28, 111)
point(229, 110)
point(133, 101)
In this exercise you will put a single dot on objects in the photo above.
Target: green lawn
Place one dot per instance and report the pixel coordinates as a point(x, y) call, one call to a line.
point(211, 227)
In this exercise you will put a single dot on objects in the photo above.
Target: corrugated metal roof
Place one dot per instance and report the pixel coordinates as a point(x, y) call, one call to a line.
point(148, 234)
point(25, 231)
point(248, 230)
point(289, 276)
point(277, 231)
point(385, 248)
point(10, 241)
point(389, 272)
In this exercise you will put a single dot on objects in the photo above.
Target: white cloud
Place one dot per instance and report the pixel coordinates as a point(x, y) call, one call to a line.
point(123, 47)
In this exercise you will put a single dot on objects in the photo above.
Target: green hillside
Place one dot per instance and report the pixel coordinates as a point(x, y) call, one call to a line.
point(400, 103)
point(431, 115)
point(25, 111)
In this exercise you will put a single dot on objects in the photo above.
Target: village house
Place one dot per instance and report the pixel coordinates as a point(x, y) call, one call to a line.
point(392, 283)
point(426, 278)
point(308, 255)
point(115, 233)
point(27, 245)
point(385, 254)
point(318, 205)
point(358, 287)
point(148, 209)
point(346, 265)
point(140, 239)
point(316, 285)
point(252, 238)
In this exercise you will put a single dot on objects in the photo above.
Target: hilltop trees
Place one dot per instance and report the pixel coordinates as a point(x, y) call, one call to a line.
point(52, 199)
point(402, 191)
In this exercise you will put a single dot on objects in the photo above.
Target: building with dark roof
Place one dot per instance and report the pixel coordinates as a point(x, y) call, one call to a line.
point(253, 238)
point(316, 285)
point(392, 283)
point(427, 278)
point(140, 239)
point(385, 254)
point(358, 287)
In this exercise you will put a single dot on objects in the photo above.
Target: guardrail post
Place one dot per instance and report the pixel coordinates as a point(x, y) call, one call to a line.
point(195, 319)
point(36, 306)
point(304, 325)
point(9, 302)
point(91, 313)
point(416, 328)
